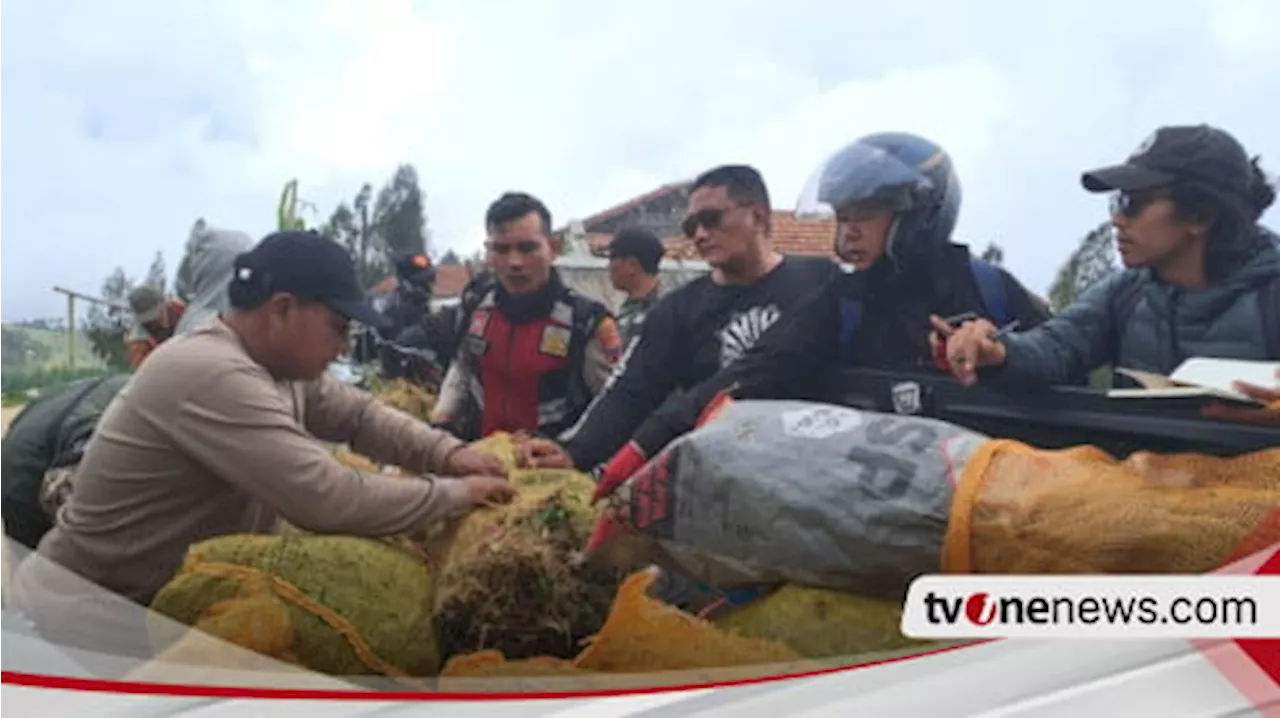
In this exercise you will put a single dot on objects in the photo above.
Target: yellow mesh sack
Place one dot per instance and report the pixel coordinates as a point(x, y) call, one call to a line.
point(1019, 509)
point(507, 575)
point(821, 623)
point(338, 605)
point(641, 635)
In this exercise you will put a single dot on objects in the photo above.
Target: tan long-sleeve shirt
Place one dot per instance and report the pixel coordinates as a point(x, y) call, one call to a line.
point(203, 442)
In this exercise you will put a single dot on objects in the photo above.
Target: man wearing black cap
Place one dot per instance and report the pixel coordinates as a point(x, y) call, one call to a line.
point(634, 256)
point(1202, 276)
point(217, 434)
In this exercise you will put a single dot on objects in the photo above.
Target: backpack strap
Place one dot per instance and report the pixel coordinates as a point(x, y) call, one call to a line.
point(850, 320)
point(1269, 306)
point(991, 286)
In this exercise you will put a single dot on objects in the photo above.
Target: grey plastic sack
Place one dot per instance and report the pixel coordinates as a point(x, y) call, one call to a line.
point(797, 492)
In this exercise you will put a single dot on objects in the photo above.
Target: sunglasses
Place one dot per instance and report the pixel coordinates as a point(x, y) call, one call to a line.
point(524, 246)
point(1131, 204)
point(708, 219)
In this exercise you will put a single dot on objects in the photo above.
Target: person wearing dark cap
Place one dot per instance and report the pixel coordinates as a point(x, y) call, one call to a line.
point(220, 433)
point(1202, 277)
point(155, 319)
point(634, 256)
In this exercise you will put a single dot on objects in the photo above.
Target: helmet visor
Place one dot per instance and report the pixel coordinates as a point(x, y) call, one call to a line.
point(865, 175)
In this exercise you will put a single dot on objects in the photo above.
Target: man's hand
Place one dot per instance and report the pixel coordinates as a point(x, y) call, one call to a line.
point(465, 460)
point(1262, 416)
point(969, 347)
point(542, 454)
point(484, 490)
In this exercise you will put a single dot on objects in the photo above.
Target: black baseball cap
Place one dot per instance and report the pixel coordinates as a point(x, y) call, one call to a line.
point(639, 243)
point(1184, 153)
point(310, 266)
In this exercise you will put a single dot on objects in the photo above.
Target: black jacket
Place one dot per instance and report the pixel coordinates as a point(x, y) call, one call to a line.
point(797, 359)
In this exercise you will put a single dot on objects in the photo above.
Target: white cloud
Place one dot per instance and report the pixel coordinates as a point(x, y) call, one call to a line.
point(126, 120)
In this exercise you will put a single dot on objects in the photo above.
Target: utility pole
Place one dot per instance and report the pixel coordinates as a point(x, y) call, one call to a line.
point(72, 296)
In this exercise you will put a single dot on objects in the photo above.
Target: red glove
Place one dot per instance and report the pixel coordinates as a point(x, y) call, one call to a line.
point(714, 408)
point(626, 462)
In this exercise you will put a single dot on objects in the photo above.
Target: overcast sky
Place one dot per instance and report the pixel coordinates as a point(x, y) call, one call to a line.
point(124, 120)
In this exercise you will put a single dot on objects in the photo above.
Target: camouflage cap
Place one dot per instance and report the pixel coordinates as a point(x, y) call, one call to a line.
point(147, 303)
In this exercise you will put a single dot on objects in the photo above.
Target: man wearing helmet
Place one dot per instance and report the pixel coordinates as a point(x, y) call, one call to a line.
point(896, 198)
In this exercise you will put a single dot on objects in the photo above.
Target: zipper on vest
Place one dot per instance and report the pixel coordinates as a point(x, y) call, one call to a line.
point(1173, 329)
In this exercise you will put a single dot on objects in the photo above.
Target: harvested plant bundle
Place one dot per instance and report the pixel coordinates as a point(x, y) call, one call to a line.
point(508, 578)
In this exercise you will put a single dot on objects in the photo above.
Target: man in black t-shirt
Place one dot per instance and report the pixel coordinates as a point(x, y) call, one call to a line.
point(697, 330)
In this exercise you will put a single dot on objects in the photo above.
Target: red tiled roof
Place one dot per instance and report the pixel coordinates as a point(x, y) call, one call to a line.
point(645, 198)
point(451, 279)
point(795, 236)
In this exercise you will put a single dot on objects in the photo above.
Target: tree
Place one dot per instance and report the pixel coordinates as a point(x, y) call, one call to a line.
point(19, 350)
point(993, 254)
point(109, 325)
point(450, 257)
point(155, 273)
point(1091, 262)
point(398, 214)
point(182, 282)
point(370, 258)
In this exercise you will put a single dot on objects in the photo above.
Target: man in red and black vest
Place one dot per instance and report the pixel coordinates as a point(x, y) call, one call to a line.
point(533, 352)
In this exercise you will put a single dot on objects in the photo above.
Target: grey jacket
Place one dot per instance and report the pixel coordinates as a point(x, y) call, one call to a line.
point(1166, 326)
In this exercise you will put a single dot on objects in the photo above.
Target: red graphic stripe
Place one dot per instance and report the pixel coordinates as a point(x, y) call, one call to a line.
point(95, 685)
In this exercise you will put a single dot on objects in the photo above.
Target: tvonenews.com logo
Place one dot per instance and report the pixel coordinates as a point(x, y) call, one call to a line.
point(1093, 606)
point(984, 609)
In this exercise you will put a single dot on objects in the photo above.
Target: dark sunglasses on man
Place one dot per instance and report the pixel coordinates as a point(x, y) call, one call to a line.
point(708, 219)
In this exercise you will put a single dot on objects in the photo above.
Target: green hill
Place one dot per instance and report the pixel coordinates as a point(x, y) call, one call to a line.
point(35, 357)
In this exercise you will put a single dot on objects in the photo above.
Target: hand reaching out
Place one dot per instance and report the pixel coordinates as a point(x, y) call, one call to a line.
point(969, 347)
point(1268, 415)
point(465, 461)
point(542, 454)
point(483, 490)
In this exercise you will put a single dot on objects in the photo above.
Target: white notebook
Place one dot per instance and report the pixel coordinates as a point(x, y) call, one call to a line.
point(1201, 376)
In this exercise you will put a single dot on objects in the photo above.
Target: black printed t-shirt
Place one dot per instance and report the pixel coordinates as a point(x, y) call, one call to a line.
point(687, 337)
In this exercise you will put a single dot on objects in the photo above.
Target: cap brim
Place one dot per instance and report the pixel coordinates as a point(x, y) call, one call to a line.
point(150, 315)
point(1126, 178)
point(359, 311)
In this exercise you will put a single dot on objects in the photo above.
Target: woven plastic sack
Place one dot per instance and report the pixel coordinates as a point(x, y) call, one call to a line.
point(641, 635)
point(821, 623)
point(1020, 509)
point(338, 605)
point(775, 492)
